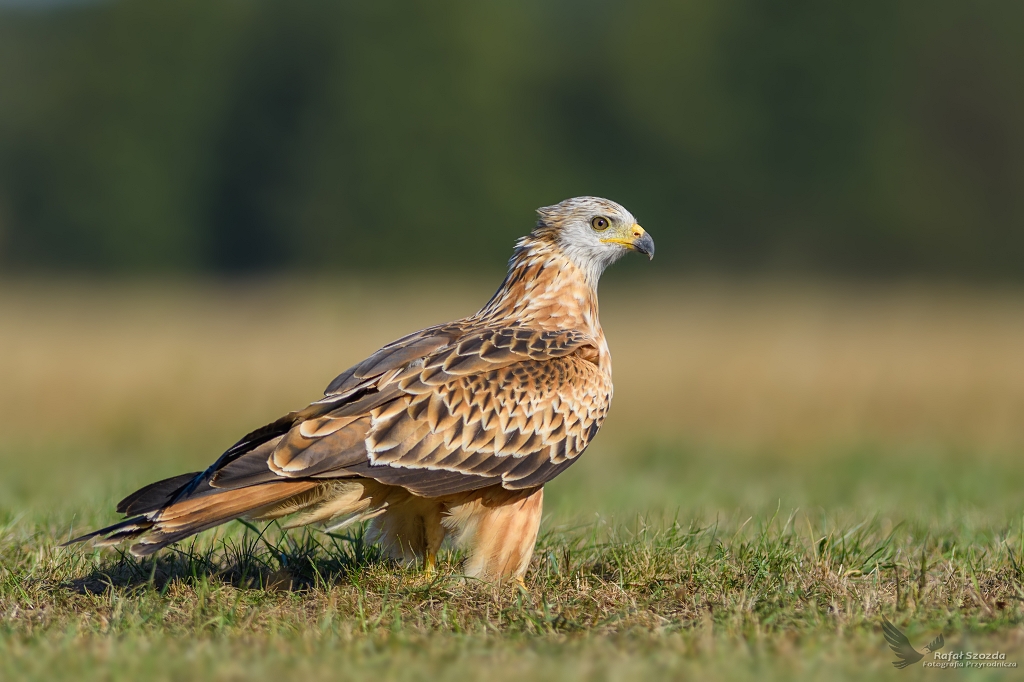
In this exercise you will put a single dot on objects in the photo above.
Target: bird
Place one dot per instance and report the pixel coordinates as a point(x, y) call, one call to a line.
point(901, 646)
point(448, 433)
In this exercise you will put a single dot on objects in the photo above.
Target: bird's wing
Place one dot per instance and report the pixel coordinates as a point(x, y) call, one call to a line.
point(394, 355)
point(936, 643)
point(441, 411)
point(900, 645)
point(353, 383)
point(519, 424)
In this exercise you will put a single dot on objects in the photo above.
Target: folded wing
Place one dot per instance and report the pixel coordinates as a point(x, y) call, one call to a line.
point(508, 406)
point(447, 410)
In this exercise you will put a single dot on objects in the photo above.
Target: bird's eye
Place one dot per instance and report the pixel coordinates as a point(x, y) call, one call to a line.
point(599, 223)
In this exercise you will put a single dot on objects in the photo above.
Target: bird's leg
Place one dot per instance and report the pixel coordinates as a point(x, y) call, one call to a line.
point(511, 520)
point(433, 533)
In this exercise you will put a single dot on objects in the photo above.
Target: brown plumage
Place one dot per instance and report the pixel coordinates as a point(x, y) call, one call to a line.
point(449, 432)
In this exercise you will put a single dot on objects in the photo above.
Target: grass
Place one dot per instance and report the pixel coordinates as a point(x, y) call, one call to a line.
point(765, 597)
point(731, 545)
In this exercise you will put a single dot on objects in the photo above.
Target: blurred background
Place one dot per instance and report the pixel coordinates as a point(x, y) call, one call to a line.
point(209, 208)
point(224, 136)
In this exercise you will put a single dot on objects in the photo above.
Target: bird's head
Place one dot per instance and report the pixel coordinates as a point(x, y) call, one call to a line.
point(593, 232)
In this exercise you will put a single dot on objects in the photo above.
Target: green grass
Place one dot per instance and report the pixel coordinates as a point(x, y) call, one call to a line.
point(723, 587)
point(778, 471)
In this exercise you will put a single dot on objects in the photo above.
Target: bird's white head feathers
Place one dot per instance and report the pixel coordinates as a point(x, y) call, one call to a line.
point(593, 233)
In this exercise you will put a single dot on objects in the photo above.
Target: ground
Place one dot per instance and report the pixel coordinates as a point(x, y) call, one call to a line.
point(783, 464)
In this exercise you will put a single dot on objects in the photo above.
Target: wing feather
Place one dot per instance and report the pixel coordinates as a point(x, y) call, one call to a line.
point(515, 424)
point(446, 410)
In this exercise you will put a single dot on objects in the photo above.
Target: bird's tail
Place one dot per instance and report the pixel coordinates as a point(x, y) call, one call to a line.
point(157, 528)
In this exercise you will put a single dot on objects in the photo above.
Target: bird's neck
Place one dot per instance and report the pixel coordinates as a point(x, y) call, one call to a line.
point(545, 289)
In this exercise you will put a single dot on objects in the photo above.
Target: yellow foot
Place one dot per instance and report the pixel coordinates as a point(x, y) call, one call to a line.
point(521, 583)
point(429, 564)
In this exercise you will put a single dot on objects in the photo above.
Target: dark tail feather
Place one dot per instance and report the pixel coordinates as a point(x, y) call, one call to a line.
point(193, 515)
point(122, 530)
point(154, 496)
point(157, 529)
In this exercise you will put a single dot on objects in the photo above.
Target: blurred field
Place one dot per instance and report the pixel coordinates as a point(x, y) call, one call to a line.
point(118, 376)
point(883, 416)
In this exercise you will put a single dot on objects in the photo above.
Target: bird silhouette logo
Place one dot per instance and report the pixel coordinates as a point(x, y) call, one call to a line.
point(900, 645)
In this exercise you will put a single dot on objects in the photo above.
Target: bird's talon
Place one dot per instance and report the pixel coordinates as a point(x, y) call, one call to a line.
point(430, 565)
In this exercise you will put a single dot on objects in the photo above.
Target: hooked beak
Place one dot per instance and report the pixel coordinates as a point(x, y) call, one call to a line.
point(642, 242)
point(638, 241)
